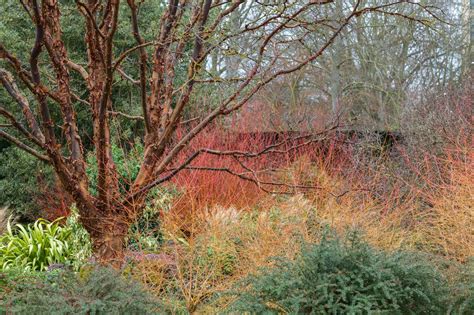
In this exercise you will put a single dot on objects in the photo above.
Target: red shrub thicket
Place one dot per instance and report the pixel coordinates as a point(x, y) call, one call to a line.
point(217, 186)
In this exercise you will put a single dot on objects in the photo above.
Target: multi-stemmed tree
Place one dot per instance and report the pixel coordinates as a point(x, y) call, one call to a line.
point(190, 34)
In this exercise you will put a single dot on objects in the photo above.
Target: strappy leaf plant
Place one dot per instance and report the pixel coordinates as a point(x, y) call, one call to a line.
point(35, 246)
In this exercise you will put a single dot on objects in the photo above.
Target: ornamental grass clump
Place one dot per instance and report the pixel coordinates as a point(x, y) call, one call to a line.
point(36, 246)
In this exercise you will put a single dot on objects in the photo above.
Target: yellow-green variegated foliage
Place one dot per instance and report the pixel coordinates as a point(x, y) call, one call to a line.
point(37, 246)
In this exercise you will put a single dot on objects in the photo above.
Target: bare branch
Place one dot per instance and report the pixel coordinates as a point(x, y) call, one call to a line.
point(259, 183)
point(90, 17)
point(127, 77)
point(12, 89)
point(20, 128)
point(123, 55)
point(137, 117)
point(24, 147)
point(79, 69)
point(143, 61)
point(36, 80)
point(39, 90)
point(59, 59)
point(117, 113)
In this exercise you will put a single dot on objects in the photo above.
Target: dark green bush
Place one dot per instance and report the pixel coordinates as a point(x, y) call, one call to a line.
point(344, 277)
point(20, 175)
point(98, 291)
point(461, 294)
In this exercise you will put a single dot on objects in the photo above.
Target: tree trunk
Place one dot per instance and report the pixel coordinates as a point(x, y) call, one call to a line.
point(109, 245)
point(108, 235)
point(108, 241)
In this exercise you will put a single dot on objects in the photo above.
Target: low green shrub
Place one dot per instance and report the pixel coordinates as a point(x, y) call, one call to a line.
point(343, 276)
point(145, 234)
point(217, 254)
point(100, 291)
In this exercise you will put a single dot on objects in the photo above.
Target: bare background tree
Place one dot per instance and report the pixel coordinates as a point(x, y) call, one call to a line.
point(380, 66)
